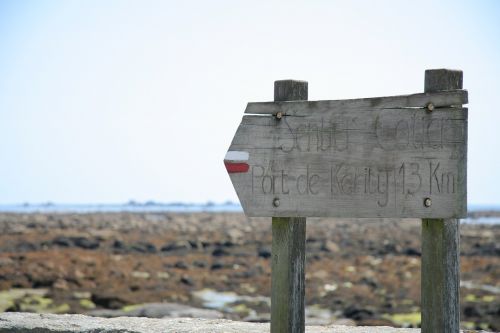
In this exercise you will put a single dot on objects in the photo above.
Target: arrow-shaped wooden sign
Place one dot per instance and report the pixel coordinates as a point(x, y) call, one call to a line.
point(400, 156)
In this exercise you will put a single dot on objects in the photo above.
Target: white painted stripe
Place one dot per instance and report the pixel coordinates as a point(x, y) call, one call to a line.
point(234, 155)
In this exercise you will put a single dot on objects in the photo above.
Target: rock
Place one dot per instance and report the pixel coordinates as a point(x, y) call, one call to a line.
point(176, 246)
point(200, 263)
point(159, 310)
point(110, 301)
point(144, 247)
point(26, 247)
point(6, 262)
point(317, 321)
point(217, 265)
point(60, 284)
point(264, 253)
point(10, 299)
point(320, 274)
point(195, 244)
point(487, 249)
point(330, 246)
point(219, 252)
point(40, 304)
point(119, 245)
point(79, 274)
point(41, 281)
point(353, 312)
point(244, 274)
point(162, 275)
point(344, 322)
point(181, 265)
point(106, 313)
point(471, 311)
point(390, 248)
point(412, 252)
point(82, 294)
point(258, 318)
point(187, 280)
point(14, 322)
point(235, 235)
point(228, 243)
point(172, 310)
point(85, 243)
point(369, 282)
point(314, 257)
point(86, 304)
point(375, 322)
point(62, 241)
point(141, 275)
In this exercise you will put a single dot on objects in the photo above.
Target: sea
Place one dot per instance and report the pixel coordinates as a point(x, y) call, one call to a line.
point(151, 207)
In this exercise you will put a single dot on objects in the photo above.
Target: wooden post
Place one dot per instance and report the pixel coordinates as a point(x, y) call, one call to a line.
point(288, 249)
point(440, 273)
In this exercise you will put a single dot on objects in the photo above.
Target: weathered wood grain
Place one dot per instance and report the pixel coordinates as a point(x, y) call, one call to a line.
point(288, 275)
point(440, 286)
point(440, 289)
point(288, 249)
point(290, 90)
point(308, 108)
point(438, 80)
point(348, 162)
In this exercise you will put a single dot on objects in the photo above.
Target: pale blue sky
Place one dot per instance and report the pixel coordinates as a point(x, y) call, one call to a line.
point(106, 101)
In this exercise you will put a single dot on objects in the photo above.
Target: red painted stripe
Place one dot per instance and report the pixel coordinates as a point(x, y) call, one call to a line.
point(236, 167)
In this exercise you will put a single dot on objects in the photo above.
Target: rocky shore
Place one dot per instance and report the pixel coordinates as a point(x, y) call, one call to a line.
point(217, 265)
point(50, 323)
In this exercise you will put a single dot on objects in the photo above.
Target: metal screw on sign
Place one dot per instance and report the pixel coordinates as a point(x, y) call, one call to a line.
point(276, 202)
point(427, 202)
point(279, 115)
point(430, 107)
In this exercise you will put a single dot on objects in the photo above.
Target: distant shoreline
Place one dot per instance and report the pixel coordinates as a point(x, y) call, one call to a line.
point(477, 214)
point(131, 207)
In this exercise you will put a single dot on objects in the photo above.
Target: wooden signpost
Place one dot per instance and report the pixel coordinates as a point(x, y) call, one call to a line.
point(399, 157)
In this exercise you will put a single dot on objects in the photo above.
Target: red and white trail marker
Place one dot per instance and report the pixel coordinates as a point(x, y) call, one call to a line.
point(236, 161)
